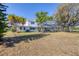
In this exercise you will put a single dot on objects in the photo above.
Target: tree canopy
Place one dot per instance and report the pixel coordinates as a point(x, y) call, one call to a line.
point(16, 19)
point(67, 14)
point(42, 17)
point(2, 19)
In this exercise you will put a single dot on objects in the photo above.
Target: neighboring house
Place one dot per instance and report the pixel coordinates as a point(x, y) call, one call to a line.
point(50, 25)
point(32, 26)
point(28, 26)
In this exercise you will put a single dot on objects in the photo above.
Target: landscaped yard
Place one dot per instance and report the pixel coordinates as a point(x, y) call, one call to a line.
point(55, 43)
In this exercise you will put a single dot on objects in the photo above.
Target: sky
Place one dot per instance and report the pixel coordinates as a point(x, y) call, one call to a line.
point(28, 10)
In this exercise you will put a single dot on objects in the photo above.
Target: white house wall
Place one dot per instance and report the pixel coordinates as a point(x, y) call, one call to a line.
point(28, 23)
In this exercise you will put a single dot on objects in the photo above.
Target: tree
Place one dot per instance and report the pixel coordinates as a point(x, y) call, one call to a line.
point(2, 20)
point(67, 15)
point(41, 18)
point(15, 20)
point(22, 20)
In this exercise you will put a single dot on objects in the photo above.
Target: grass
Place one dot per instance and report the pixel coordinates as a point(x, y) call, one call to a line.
point(57, 43)
point(75, 28)
point(12, 34)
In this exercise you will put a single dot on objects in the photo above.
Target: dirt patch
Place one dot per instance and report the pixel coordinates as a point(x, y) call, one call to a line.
point(59, 43)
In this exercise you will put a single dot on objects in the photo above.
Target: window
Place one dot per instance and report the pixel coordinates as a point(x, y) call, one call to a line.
point(32, 28)
point(20, 28)
point(32, 22)
point(24, 28)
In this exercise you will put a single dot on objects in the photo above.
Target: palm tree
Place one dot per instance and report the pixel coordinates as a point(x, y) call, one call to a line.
point(14, 20)
point(22, 20)
point(41, 18)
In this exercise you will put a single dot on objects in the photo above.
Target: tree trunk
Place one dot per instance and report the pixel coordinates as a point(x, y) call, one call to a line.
point(1, 39)
point(62, 28)
point(42, 29)
point(69, 29)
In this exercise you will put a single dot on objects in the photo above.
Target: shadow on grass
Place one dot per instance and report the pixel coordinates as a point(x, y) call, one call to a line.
point(10, 41)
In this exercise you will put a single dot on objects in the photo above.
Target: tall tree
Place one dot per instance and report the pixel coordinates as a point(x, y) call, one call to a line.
point(15, 20)
point(12, 18)
point(2, 20)
point(22, 20)
point(42, 17)
point(67, 15)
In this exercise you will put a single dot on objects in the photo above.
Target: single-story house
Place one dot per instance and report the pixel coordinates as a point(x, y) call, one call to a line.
point(28, 26)
point(50, 25)
point(32, 26)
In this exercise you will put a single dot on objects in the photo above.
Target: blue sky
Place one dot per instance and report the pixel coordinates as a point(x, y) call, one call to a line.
point(28, 10)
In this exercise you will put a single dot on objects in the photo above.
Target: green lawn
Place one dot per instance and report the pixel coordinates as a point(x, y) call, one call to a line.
point(75, 28)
